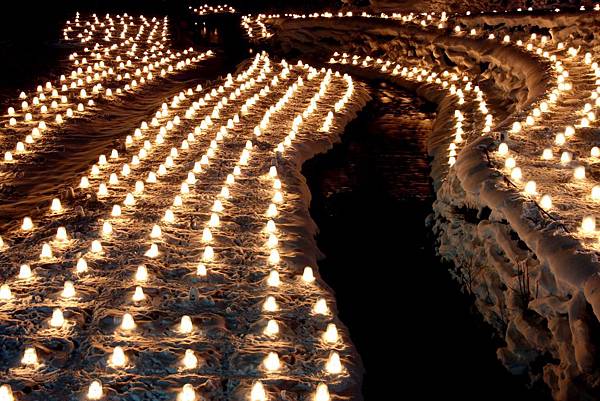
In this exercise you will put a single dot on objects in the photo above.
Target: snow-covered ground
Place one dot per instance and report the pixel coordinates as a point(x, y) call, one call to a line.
point(182, 264)
point(516, 203)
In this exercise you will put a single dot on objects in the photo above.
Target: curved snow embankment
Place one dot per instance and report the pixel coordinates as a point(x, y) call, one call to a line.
point(530, 279)
point(455, 6)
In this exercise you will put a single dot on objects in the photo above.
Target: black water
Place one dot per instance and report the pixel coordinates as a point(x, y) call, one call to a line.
point(417, 334)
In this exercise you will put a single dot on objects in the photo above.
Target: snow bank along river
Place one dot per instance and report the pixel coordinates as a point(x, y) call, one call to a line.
point(514, 153)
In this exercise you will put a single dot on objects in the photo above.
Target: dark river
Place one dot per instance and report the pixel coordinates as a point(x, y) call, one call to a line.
point(416, 333)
